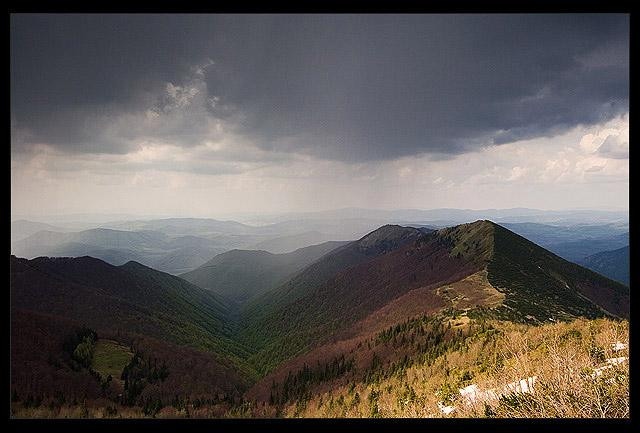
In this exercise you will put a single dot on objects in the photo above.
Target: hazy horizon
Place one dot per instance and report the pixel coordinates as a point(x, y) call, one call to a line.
point(187, 215)
point(249, 217)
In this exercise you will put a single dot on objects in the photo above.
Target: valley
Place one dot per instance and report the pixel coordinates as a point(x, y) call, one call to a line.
point(334, 329)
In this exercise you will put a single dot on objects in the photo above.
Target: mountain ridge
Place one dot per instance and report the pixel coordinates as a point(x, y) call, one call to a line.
point(537, 285)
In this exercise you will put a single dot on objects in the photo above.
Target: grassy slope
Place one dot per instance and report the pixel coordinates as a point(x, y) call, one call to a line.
point(110, 358)
point(488, 354)
point(543, 286)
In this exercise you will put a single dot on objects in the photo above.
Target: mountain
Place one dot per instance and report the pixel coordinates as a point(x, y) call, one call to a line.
point(286, 244)
point(546, 286)
point(574, 242)
point(337, 317)
point(368, 247)
point(130, 298)
point(576, 251)
point(152, 248)
point(546, 234)
point(21, 229)
point(457, 216)
point(613, 264)
point(183, 226)
point(421, 334)
point(394, 271)
point(241, 274)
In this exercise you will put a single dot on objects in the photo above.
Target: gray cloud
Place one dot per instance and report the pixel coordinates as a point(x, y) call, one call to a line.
point(352, 88)
point(614, 147)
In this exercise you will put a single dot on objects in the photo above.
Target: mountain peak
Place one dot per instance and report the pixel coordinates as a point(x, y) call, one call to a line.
point(388, 237)
point(472, 239)
point(132, 264)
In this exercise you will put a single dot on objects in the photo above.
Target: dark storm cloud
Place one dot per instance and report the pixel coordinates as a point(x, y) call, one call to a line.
point(353, 88)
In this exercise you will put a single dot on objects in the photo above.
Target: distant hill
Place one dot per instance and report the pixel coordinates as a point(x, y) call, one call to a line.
point(174, 245)
point(21, 229)
point(286, 244)
point(152, 248)
point(383, 269)
point(458, 216)
point(242, 274)
point(287, 235)
point(183, 226)
point(574, 242)
point(105, 238)
point(577, 251)
point(547, 234)
point(613, 264)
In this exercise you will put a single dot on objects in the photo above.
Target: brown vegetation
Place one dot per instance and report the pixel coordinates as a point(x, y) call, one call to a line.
point(563, 356)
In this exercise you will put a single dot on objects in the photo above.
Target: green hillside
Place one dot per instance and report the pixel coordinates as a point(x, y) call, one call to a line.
point(541, 286)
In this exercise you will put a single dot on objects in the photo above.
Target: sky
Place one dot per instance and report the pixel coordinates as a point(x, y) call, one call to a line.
point(199, 115)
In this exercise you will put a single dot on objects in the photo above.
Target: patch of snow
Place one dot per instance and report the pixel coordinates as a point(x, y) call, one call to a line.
point(522, 386)
point(472, 393)
point(617, 346)
point(598, 371)
point(610, 363)
point(469, 392)
point(445, 409)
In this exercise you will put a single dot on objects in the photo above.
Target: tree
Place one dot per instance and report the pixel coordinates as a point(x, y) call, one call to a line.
point(83, 353)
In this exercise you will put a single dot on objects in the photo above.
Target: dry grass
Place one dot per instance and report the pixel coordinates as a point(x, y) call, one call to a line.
point(563, 356)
